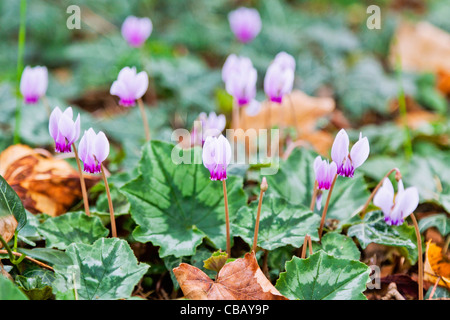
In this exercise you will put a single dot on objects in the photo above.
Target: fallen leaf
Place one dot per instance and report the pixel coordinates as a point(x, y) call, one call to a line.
point(241, 279)
point(422, 47)
point(43, 183)
point(8, 225)
point(436, 264)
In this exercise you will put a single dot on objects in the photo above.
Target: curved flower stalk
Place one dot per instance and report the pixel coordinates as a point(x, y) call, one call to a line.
point(94, 149)
point(136, 30)
point(33, 83)
point(63, 129)
point(129, 86)
point(347, 161)
point(216, 157)
point(211, 125)
point(245, 23)
point(396, 208)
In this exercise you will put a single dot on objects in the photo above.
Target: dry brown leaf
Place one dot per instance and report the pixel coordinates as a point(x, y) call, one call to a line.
point(241, 279)
point(8, 225)
point(421, 47)
point(43, 183)
point(436, 264)
point(417, 118)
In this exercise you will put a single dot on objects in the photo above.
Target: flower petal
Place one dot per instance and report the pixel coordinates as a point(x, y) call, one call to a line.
point(53, 122)
point(360, 152)
point(339, 150)
point(100, 147)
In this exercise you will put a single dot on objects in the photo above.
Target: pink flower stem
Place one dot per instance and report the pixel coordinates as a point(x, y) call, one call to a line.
point(419, 258)
point(227, 217)
point(82, 182)
point(144, 119)
point(110, 204)
point(325, 209)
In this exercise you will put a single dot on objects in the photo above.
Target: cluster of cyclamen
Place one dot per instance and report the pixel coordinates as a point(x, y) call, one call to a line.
point(344, 163)
point(93, 148)
point(240, 79)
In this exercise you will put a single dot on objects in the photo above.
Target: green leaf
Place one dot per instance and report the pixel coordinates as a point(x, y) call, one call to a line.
point(10, 204)
point(105, 270)
point(373, 229)
point(34, 288)
point(216, 261)
point(295, 182)
point(72, 227)
point(439, 221)
point(177, 206)
point(9, 291)
point(52, 256)
point(281, 223)
point(338, 246)
point(323, 277)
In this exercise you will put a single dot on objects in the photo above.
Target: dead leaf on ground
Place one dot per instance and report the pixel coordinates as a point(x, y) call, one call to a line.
point(8, 225)
point(436, 264)
point(422, 47)
point(43, 183)
point(241, 279)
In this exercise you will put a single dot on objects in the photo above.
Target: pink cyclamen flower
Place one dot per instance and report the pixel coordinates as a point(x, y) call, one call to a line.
point(211, 125)
point(396, 208)
point(285, 61)
point(63, 129)
point(129, 86)
point(136, 30)
point(245, 23)
point(240, 79)
point(279, 80)
point(33, 83)
point(324, 172)
point(93, 150)
point(347, 162)
point(217, 156)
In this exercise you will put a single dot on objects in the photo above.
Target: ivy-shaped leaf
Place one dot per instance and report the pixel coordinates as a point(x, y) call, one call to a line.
point(9, 291)
point(439, 221)
point(295, 182)
point(338, 246)
point(10, 204)
point(323, 277)
point(281, 223)
point(105, 270)
point(373, 229)
point(72, 227)
point(176, 206)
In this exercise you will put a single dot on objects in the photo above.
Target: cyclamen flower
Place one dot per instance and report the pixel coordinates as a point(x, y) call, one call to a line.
point(240, 79)
point(396, 208)
point(245, 23)
point(279, 80)
point(285, 61)
point(347, 162)
point(136, 30)
point(211, 125)
point(93, 150)
point(217, 156)
point(63, 129)
point(33, 83)
point(324, 172)
point(129, 86)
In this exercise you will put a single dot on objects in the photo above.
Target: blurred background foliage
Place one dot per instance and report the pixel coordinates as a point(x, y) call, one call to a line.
point(337, 56)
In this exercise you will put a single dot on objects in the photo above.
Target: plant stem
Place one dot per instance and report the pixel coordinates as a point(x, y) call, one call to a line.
point(402, 108)
point(8, 249)
point(305, 244)
point(325, 209)
point(419, 258)
point(18, 254)
point(314, 196)
point(20, 57)
point(82, 182)
point(310, 245)
point(397, 176)
point(227, 217)
point(258, 215)
point(110, 204)
point(144, 119)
